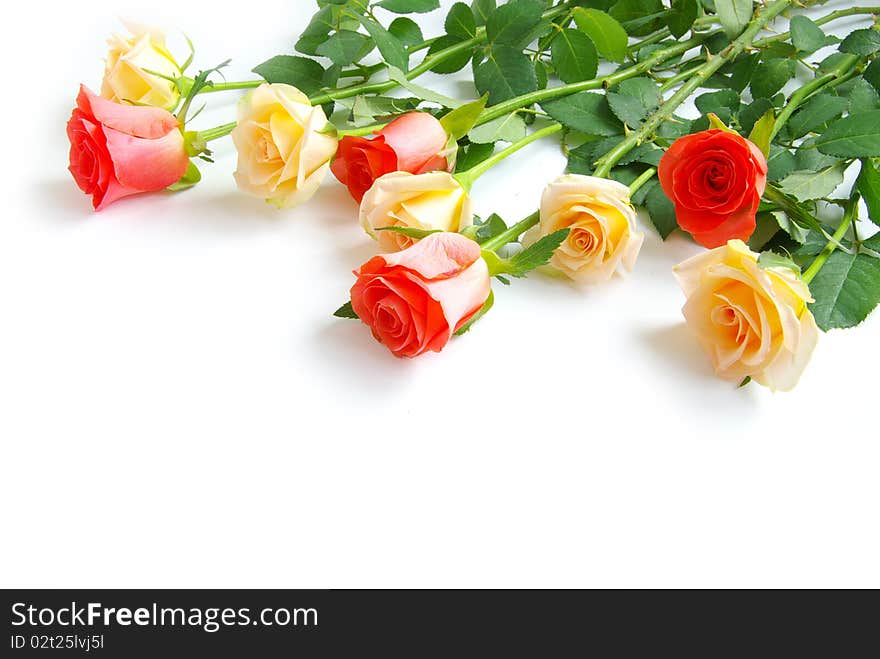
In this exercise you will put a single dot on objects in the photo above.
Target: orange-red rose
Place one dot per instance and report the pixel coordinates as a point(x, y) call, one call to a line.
point(119, 150)
point(416, 299)
point(414, 143)
point(715, 178)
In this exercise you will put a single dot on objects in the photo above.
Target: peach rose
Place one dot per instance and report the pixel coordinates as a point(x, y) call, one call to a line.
point(603, 232)
point(434, 201)
point(119, 150)
point(283, 152)
point(752, 321)
point(416, 299)
point(131, 68)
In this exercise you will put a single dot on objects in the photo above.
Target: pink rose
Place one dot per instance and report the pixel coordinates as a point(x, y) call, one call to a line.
point(415, 300)
point(414, 143)
point(119, 150)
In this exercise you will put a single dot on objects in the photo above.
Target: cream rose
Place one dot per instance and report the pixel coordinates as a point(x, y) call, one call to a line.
point(283, 152)
point(752, 321)
point(131, 68)
point(417, 201)
point(602, 227)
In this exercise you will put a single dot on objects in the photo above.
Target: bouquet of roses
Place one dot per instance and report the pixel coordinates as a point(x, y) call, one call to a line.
point(758, 179)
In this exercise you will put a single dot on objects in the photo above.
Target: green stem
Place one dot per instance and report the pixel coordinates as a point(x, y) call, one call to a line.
point(512, 233)
point(646, 176)
point(848, 217)
point(216, 133)
point(775, 196)
point(713, 63)
point(833, 16)
point(506, 107)
point(468, 177)
point(230, 86)
point(359, 132)
point(847, 64)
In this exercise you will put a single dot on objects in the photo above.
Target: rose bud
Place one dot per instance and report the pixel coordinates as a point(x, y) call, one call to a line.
point(283, 150)
point(132, 65)
point(434, 201)
point(603, 233)
point(415, 300)
point(715, 178)
point(414, 143)
point(119, 150)
point(752, 321)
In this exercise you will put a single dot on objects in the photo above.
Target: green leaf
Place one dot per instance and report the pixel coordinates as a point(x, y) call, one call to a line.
point(634, 99)
point(781, 163)
point(868, 185)
point(410, 6)
point(452, 63)
point(846, 289)
point(461, 120)
point(483, 9)
point(190, 178)
point(509, 128)
point(768, 260)
point(316, 31)
point(407, 31)
point(638, 17)
point(537, 254)
point(460, 22)
point(490, 301)
point(749, 114)
point(816, 112)
point(734, 15)
point(681, 16)
point(346, 311)
point(423, 93)
point(410, 232)
point(493, 226)
point(855, 136)
point(606, 33)
point(513, 22)
point(661, 211)
point(872, 74)
point(505, 74)
point(344, 47)
point(771, 75)
point(303, 73)
point(574, 56)
point(807, 185)
point(762, 131)
point(806, 36)
point(861, 42)
point(473, 154)
point(862, 95)
point(586, 112)
point(389, 46)
point(724, 103)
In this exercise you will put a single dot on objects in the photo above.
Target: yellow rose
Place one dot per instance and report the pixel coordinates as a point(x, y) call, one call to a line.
point(603, 232)
point(752, 321)
point(129, 74)
point(283, 153)
point(433, 201)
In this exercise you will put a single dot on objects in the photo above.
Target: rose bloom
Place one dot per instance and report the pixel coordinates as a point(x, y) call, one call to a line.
point(132, 62)
point(434, 201)
point(715, 179)
point(283, 152)
point(414, 143)
point(415, 300)
point(602, 225)
point(119, 150)
point(752, 321)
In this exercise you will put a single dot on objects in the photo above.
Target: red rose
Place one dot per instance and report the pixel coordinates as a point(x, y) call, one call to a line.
point(416, 299)
point(119, 150)
point(715, 178)
point(414, 143)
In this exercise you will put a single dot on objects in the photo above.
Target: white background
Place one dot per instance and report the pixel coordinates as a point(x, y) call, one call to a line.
point(178, 408)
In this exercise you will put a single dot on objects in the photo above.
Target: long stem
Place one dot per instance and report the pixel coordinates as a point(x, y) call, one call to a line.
point(506, 107)
point(216, 133)
point(512, 233)
point(646, 176)
point(713, 63)
point(468, 177)
point(848, 217)
point(846, 65)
